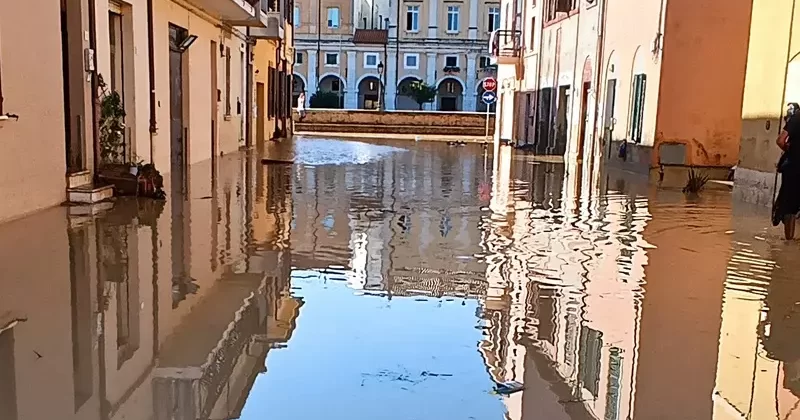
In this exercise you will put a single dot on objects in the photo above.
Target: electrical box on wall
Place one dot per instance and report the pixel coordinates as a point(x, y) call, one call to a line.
point(88, 59)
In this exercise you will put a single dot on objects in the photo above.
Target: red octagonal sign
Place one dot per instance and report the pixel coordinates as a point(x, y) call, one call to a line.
point(489, 84)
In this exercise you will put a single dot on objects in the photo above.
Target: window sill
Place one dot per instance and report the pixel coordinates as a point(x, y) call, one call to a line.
point(452, 32)
point(331, 65)
point(227, 117)
point(411, 68)
point(412, 32)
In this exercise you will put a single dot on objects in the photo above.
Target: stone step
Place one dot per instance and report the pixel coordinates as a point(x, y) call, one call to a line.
point(88, 193)
point(75, 180)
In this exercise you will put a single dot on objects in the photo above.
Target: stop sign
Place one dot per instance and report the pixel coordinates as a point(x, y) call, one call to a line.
point(489, 84)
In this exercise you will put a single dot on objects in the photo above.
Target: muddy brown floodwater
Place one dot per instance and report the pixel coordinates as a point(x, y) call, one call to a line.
point(399, 281)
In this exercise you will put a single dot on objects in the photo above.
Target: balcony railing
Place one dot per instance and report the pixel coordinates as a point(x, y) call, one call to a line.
point(506, 45)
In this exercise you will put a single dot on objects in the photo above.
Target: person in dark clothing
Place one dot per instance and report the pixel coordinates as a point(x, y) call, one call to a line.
point(787, 205)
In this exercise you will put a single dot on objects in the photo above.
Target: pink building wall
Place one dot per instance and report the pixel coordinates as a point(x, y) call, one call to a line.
point(32, 163)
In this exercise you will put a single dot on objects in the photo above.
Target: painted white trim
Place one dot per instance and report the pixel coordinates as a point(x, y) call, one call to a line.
point(463, 86)
point(405, 62)
point(361, 79)
point(337, 75)
point(377, 60)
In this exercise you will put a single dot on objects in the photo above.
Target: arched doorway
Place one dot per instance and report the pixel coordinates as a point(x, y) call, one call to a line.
point(330, 93)
point(404, 100)
point(369, 92)
point(450, 94)
point(298, 87)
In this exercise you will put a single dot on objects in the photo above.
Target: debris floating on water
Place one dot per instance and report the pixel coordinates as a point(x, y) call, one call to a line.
point(508, 388)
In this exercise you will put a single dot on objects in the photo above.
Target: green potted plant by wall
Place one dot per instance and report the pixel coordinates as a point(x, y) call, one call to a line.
point(128, 174)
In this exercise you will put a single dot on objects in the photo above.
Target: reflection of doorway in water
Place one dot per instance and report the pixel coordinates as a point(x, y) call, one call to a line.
point(179, 174)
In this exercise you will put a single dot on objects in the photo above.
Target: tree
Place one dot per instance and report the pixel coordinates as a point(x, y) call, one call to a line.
point(421, 92)
point(325, 99)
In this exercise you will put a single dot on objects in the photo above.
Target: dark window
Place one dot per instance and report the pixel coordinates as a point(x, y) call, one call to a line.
point(555, 7)
point(533, 33)
point(637, 109)
point(451, 61)
point(298, 58)
point(228, 81)
point(335, 85)
point(484, 62)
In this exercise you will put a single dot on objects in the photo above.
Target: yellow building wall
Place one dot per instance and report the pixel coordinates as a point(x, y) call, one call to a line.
point(769, 53)
point(33, 162)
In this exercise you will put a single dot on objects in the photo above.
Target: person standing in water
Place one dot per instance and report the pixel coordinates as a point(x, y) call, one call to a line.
point(787, 205)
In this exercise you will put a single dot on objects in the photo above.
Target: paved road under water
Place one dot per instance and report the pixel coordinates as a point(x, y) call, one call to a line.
point(399, 281)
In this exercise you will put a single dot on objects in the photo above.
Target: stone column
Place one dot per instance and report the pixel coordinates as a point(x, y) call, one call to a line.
point(391, 80)
point(470, 99)
point(431, 79)
point(351, 93)
point(433, 18)
point(311, 77)
point(473, 19)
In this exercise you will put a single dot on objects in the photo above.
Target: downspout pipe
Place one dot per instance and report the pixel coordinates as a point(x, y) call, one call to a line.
point(248, 99)
point(600, 66)
point(95, 86)
point(152, 77)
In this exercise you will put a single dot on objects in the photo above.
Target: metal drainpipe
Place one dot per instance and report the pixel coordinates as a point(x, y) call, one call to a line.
point(599, 61)
point(319, 41)
point(397, 51)
point(94, 85)
point(152, 76)
point(248, 100)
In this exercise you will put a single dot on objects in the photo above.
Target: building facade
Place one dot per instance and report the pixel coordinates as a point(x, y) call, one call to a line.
point(353, 49)
point(771, 82)
point(195, 79)
point(576, 79)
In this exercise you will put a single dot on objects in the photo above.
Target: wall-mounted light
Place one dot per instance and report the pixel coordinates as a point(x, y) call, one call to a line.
point(186, 43)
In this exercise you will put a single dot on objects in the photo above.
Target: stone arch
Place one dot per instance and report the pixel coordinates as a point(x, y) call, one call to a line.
point(403, 101)
point(449, 94)
point(327, 83)
point(369, 91)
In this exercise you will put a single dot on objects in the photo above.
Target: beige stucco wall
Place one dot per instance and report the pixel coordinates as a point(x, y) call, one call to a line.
point(33, 162)
point(700, 95)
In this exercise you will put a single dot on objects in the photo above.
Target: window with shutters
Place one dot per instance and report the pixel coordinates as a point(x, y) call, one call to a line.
point(637, 107)
point(494, 19)
point(453, 15)
point(412, 18)
point(333, 17)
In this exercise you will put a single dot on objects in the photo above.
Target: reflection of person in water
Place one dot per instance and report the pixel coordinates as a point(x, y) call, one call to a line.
point(779, 331)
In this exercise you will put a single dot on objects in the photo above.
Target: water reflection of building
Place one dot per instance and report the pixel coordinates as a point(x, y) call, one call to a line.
point(369, 215)
point(561, 313)
point(756, 375)
point(99, 330)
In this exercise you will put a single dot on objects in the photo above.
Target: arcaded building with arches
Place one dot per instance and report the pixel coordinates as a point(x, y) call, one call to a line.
point(367, 53)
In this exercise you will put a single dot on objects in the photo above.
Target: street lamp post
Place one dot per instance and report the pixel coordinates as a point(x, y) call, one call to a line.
point(380, 86)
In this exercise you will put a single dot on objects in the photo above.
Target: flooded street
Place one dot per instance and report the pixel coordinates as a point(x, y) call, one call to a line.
point(399, 281)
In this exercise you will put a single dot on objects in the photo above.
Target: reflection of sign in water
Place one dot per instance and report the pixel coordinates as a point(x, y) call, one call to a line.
point(614, 384)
